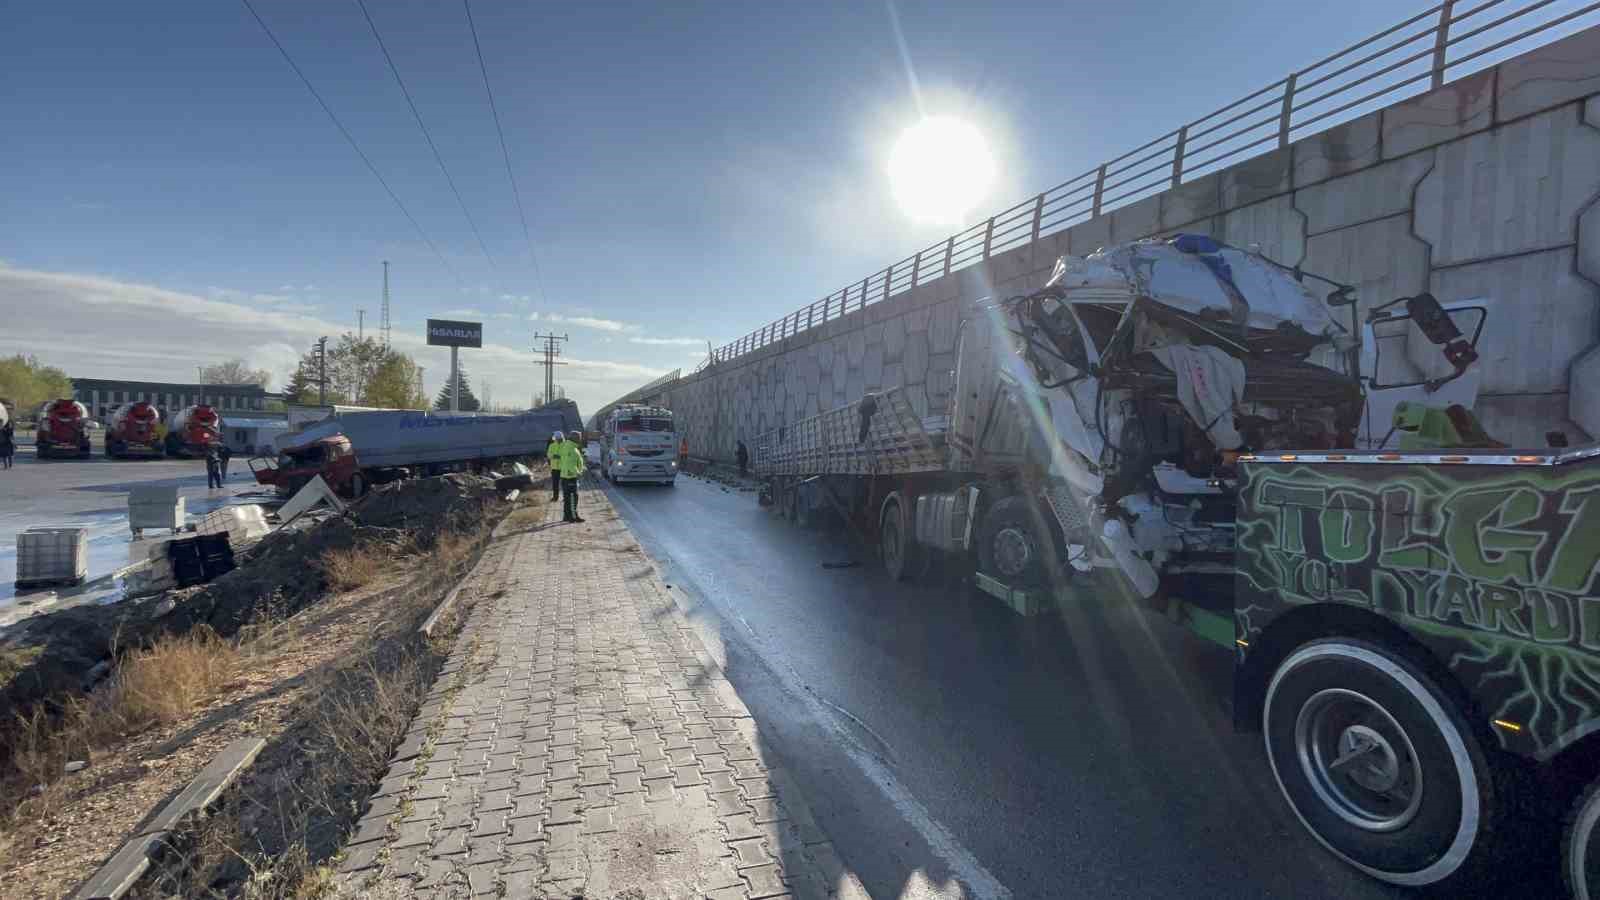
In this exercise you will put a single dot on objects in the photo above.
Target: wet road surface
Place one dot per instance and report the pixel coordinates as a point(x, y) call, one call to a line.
point(952, 748)
point(92, 492)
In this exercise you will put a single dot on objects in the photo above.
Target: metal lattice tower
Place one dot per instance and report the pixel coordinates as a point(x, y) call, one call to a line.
point(383, 326)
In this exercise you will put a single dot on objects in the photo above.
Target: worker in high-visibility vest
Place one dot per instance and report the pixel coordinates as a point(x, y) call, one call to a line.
point(552, 455)
point(570, 461)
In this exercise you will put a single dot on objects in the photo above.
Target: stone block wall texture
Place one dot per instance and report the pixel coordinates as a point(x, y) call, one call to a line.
point(1485, 188)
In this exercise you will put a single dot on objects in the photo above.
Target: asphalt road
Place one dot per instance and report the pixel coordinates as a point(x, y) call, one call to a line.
point(92, 492)
point(952, 748)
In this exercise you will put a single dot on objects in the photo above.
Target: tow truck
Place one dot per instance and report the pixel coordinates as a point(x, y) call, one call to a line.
point(1413, 609)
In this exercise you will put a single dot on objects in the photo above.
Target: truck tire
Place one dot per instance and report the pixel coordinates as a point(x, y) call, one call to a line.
point(1013, 543)
point(1580, 846)
point(903, 557)
point(1378, 764)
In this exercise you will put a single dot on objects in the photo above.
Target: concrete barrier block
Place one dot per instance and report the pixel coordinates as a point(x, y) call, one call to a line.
point(1589, 243)
point(1383, 190)
point(894, 339)
point(1139, 219)
point(1542, 317)
point(1191, 201)
point(1086, 237)
point(1450, 112)
point(1382, 259)
point(1256, 179)
point(942, 326)
point(1583, 406)
point(1523, 420)
point(1515, 189)
point(1338, 151)
point(872, 365)
point(1549, 76)
point(1275, 226)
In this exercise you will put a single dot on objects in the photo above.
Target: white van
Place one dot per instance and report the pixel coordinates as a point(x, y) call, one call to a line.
point(640, 443)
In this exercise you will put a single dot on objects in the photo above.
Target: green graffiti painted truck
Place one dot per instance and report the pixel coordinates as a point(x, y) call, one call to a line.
point(1412, 607)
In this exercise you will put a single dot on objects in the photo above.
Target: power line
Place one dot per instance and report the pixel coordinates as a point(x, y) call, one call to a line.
point(517, 195)
point(352, 141)
point(426, 136)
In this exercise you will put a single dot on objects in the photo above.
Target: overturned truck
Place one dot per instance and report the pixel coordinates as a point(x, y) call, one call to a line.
point(1196, 427)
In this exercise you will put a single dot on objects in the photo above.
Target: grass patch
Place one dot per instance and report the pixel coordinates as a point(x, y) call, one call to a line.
point(352, 567)
point(160, 684)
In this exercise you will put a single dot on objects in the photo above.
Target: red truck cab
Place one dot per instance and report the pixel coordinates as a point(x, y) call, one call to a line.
point(333, 458)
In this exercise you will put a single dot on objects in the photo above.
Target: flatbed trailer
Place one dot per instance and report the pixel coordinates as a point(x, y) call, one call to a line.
point(1415, 632)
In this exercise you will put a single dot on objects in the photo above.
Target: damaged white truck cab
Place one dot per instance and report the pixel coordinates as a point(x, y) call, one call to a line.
point(1125, 391)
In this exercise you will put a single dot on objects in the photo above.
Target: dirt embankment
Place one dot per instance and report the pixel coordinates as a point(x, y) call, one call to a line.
point(325, 663)
point(64, 652)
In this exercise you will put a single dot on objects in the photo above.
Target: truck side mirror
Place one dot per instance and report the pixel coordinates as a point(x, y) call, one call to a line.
point(1432, 319)
point(1345, 296)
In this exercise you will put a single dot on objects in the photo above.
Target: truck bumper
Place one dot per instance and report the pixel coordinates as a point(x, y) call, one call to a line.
point(645, 470)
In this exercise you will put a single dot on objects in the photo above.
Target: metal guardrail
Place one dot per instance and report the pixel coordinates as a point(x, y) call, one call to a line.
point(1424, 49)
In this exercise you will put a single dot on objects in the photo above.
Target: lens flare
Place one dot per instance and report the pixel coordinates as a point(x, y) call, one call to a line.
point(940, 170)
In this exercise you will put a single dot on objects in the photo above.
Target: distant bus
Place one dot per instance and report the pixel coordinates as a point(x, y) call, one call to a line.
point(640, 443)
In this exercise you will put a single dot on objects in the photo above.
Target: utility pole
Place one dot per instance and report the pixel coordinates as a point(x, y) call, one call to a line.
point(419, 388)
point(383, 325)
point(322, 371)
point(361, 324)
point(455, 378)
point(551, 350)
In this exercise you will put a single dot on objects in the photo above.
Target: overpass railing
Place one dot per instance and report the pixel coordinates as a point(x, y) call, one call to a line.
point(1441, 44)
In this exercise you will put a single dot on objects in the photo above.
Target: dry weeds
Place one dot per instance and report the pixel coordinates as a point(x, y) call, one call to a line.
point(332, 688)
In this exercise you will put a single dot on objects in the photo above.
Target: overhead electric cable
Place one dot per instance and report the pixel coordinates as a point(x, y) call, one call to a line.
point(352, 141)
point(395, 71)
point(516, 194)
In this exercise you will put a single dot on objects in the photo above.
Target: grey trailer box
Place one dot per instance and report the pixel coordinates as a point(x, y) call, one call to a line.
point(52, 555)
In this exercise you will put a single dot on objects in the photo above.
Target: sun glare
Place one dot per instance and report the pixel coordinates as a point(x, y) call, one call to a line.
point(940, 170)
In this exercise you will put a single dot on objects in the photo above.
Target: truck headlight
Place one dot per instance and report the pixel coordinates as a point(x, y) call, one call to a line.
point(674, 464)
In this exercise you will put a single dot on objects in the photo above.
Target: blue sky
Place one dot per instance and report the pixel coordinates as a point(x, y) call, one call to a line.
point(171, 194)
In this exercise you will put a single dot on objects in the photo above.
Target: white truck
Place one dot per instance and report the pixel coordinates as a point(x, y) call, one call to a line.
point(640, 443)
point(1412, 608)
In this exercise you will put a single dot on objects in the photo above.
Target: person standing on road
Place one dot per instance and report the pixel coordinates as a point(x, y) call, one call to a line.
point(8, 444)
point(213, 466)
point(571, 466)
point(552, 455)
point(743, 456)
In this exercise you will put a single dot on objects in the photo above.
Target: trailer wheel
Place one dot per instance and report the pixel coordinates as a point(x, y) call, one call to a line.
point(1013, 543)
point(903, 558)
point(1377, 763)
point(1580, 847)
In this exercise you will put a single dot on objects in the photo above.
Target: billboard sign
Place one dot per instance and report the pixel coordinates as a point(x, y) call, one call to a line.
point(447, 333)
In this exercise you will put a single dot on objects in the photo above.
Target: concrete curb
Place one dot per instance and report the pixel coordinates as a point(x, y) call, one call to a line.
point(444, 606)
point(123, 870)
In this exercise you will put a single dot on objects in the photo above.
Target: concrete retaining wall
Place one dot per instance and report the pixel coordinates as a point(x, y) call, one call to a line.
point(1486, 187)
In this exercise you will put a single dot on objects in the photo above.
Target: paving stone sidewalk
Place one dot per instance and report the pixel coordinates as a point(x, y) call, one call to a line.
point(580, 743)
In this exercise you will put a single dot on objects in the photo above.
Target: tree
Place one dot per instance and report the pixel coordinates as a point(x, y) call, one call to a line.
point(302, 387)
point(394, 384)
point(234, 371)
point(360, 371)
point(469, 403)
point(26, 383)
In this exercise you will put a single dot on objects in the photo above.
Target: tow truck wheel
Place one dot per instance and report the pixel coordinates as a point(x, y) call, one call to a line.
point(1377, 763)
point(1580, 848)
point(1012, 543)
point(902, 557)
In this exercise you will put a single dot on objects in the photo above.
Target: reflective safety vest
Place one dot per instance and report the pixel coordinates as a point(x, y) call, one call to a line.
point(569, 459)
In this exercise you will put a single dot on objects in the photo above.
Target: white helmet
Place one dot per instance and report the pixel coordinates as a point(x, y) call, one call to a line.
point(558, 436)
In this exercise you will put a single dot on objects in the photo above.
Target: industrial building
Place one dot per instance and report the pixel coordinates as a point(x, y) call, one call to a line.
point(102, 396)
